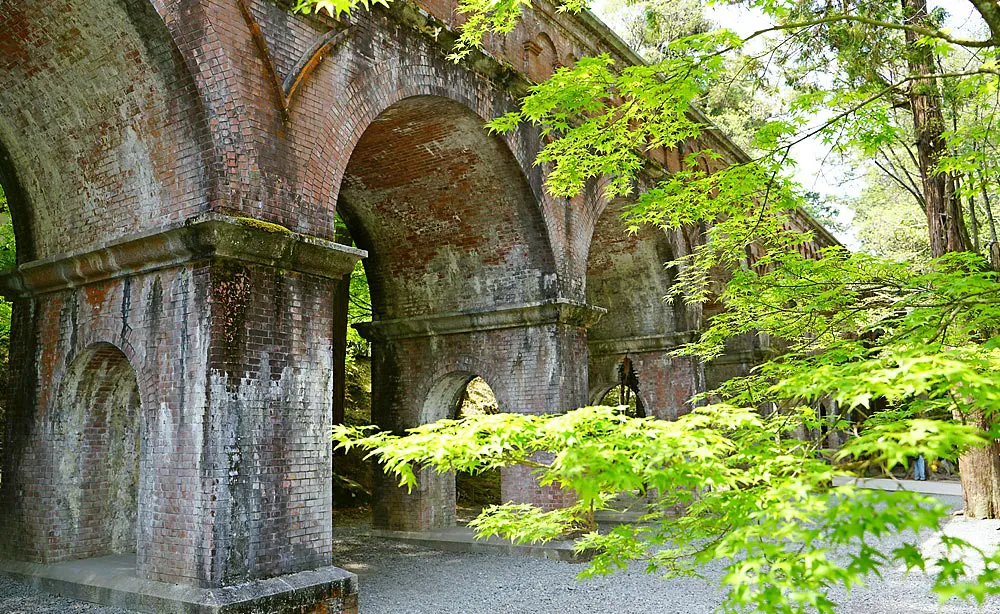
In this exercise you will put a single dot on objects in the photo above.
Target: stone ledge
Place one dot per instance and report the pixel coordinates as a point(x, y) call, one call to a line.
point(111, 581)
point(558, 311)
point(203, 237)
point(463, 539)
point(928, 487)
point(737, 357)
point(638, 345)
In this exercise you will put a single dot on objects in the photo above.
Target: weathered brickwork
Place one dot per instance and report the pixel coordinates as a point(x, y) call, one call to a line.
point(144, 319)
point(227, 476)
point(270, 401)
point(445, 212)
point(98, 108)
point(175, 169)
point(531, 369)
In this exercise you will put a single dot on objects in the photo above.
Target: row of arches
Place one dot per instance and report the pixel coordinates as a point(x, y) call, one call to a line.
point(126, 139)
point(450, 224)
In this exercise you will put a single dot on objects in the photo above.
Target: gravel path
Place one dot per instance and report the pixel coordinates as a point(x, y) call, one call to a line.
point(405, 579)
point(408, 579)
point(17, 598)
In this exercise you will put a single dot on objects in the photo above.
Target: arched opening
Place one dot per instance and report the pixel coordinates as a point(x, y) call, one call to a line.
point(625, 394)
point(540, 57)
point(456, 396)
point(352, 473)
point(97, 424)
point(10, 255)
point(628, 274)
point(451, 226)
point(474, 491)
point(445, 212)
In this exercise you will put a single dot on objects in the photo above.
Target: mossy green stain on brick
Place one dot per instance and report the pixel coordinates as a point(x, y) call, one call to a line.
point(261, 225)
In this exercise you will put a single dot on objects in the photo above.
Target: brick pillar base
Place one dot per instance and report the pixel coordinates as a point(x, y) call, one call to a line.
point(431, 504)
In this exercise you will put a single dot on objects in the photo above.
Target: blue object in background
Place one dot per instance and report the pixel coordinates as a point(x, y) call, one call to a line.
point(920, 469)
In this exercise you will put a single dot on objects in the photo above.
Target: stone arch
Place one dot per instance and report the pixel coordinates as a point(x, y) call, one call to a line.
point(97, 424)
point(444, 395)
point(626, 274)
point(104, 329)
point(446, 385)
point(447, 216)
point(442, 401)
point(380, 87)
point(452, 228)
point(599, 392)
point(18, 206)
point(102, 121)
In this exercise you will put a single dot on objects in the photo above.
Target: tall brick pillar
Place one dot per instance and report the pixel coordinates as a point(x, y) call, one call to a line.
point(534, 357)
point(209, 344)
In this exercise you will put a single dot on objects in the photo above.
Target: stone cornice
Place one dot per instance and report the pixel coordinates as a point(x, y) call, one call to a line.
point(208, 236)
point(735, 357)
point(558, 311)
point(637, 345)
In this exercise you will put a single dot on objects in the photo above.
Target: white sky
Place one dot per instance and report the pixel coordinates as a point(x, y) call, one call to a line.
point(816, 170)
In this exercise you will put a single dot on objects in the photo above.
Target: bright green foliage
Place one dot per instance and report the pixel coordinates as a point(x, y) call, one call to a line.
point(359, 307)
point(359, 310)
point(738, 100)
point(857, 328)
point(482, 16)
point(752, 496)
point(6, 235)
point(336, 8)
point(606, 116)
point(7, 253)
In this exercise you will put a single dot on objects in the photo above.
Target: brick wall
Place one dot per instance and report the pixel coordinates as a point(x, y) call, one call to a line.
point(267, 454)
point(666, 383)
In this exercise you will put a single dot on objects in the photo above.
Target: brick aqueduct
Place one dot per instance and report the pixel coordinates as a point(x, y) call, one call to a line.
point(174, 168)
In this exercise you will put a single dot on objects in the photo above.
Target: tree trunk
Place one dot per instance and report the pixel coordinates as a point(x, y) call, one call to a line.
point(980, 467)
point(943, 207)
point(980, 472)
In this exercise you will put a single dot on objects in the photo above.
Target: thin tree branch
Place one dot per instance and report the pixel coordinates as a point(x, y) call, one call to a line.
point(994, 41)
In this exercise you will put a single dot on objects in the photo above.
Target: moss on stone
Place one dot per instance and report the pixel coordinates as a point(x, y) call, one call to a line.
point(256, 224)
